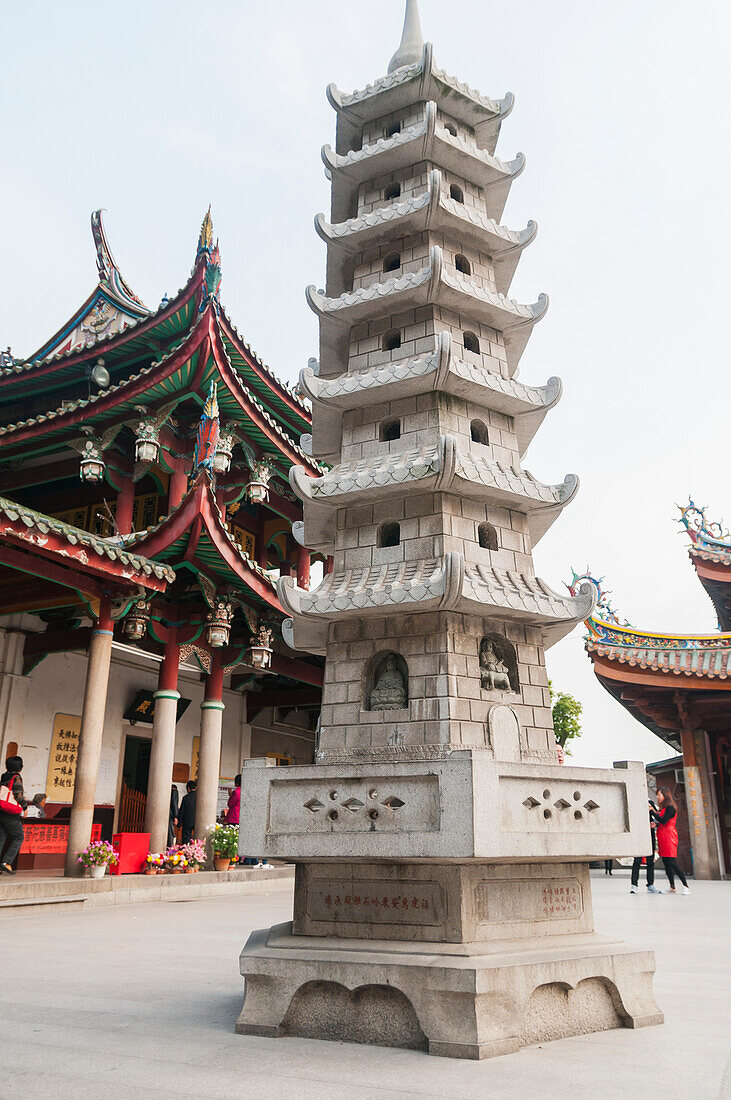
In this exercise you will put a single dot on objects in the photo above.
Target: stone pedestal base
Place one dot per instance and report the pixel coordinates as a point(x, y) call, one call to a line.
point(453, 999)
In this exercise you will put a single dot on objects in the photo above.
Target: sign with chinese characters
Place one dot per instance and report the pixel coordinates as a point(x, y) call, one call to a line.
point(43, 837)
point(143, 708)
point(62, 757)
point(501, 901)
point(194, 758)
point(375, 902)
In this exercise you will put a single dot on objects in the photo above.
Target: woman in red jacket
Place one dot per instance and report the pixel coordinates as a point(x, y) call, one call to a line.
point(667, 837)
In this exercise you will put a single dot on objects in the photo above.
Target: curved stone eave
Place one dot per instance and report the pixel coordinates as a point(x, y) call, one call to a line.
point(432, 285)
point(439, 468)
point(412, 83)
point(433, 210)
point(305, 635)
point(426, 140)
point(447, 584)
point(441, 371)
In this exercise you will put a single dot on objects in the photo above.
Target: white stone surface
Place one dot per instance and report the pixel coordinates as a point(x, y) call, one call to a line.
point(128, 1022)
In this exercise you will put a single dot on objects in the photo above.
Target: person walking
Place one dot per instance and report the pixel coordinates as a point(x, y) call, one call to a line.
point(186, 813)
point(637, 862)
point(173, 819)
point(233, 810)
point(666, 817)
point(12, 804)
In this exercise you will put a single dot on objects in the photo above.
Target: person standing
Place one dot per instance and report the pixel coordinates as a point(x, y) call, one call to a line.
point(12, 804)
point(233, 810)
point(666, 817)
point(173, 819)
point(637, 862)
point(186, 813)
point(36, 806)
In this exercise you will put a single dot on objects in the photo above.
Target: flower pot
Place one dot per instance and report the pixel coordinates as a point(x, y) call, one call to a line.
point(190, 870)
point(150, 870)
point(98, 872)
point(221, 864)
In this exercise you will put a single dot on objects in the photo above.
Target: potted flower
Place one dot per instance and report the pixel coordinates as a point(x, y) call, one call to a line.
point(195, 854)
point(96, 857)
point(225, 845)
point(175, 861)
point(155, 863)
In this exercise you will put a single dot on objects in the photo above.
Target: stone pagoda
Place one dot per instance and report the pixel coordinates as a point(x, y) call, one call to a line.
point(442, 895)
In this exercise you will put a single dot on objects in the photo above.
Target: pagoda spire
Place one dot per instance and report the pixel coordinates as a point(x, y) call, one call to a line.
point(412, 40)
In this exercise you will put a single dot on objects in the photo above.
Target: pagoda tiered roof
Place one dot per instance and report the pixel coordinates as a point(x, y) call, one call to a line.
point(440, 370)
point(413, 83)
point(425, 140)
point(441, 466)
point(447, 583)
point(435, 283)
point(435, 210)
point(196, 538)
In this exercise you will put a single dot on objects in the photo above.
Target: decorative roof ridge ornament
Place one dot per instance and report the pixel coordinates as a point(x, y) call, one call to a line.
point(212, 254)
point(205, 237)
point(702, 531)
point(603, 612)
point(209, 429)
point(110, 277)
point(411, 46)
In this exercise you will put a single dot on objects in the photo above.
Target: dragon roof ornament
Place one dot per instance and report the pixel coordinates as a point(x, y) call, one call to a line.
point(609, 635)
point(703, 532)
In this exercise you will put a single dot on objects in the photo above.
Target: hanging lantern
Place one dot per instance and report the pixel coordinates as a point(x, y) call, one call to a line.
point(257, 490)
point(224, 450)
point(91, 466)
point(147, 441)
point(218, 624)
point(259, 653)
point(138, 616)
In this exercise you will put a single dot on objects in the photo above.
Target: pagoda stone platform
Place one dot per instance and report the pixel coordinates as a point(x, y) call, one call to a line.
point(468, 954)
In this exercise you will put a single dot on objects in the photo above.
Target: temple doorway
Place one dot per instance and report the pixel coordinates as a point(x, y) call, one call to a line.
point(135, 774)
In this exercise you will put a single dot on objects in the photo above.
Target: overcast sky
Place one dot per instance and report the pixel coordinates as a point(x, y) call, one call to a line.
point(154, 110)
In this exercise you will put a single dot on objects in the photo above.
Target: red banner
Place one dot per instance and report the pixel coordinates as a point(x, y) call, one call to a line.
point(45, 837)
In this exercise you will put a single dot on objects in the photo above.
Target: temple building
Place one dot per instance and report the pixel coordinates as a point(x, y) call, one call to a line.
point(679, 686)
point(145, 518)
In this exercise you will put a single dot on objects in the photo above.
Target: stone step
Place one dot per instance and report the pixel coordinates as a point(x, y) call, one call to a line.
point(48, 905)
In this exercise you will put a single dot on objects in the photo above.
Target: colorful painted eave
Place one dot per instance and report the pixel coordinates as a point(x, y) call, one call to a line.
point(689, 655)
point(170, 320)
point(187, 368)
point(73, 549)
point(195, 536)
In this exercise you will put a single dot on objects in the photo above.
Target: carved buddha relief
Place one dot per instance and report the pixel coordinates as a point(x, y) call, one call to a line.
point(388, 682)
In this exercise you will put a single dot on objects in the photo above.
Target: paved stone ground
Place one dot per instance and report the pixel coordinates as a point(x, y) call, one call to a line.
point(140, 1001)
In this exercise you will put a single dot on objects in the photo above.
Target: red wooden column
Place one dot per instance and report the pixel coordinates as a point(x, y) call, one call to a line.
point(162, 752)
point(209, 760)
point(125, 505)
point(303, 567)
point(329, 564)
point(90, 737)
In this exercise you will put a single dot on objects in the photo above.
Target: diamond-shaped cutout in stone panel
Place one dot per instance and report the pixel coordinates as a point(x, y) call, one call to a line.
point(353, 804)
point(314, 805)
point(562, 804)
point(591, 805)
point(393, 802)
point(531, 803)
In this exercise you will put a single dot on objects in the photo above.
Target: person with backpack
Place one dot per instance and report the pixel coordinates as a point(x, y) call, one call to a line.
point(12, 804)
